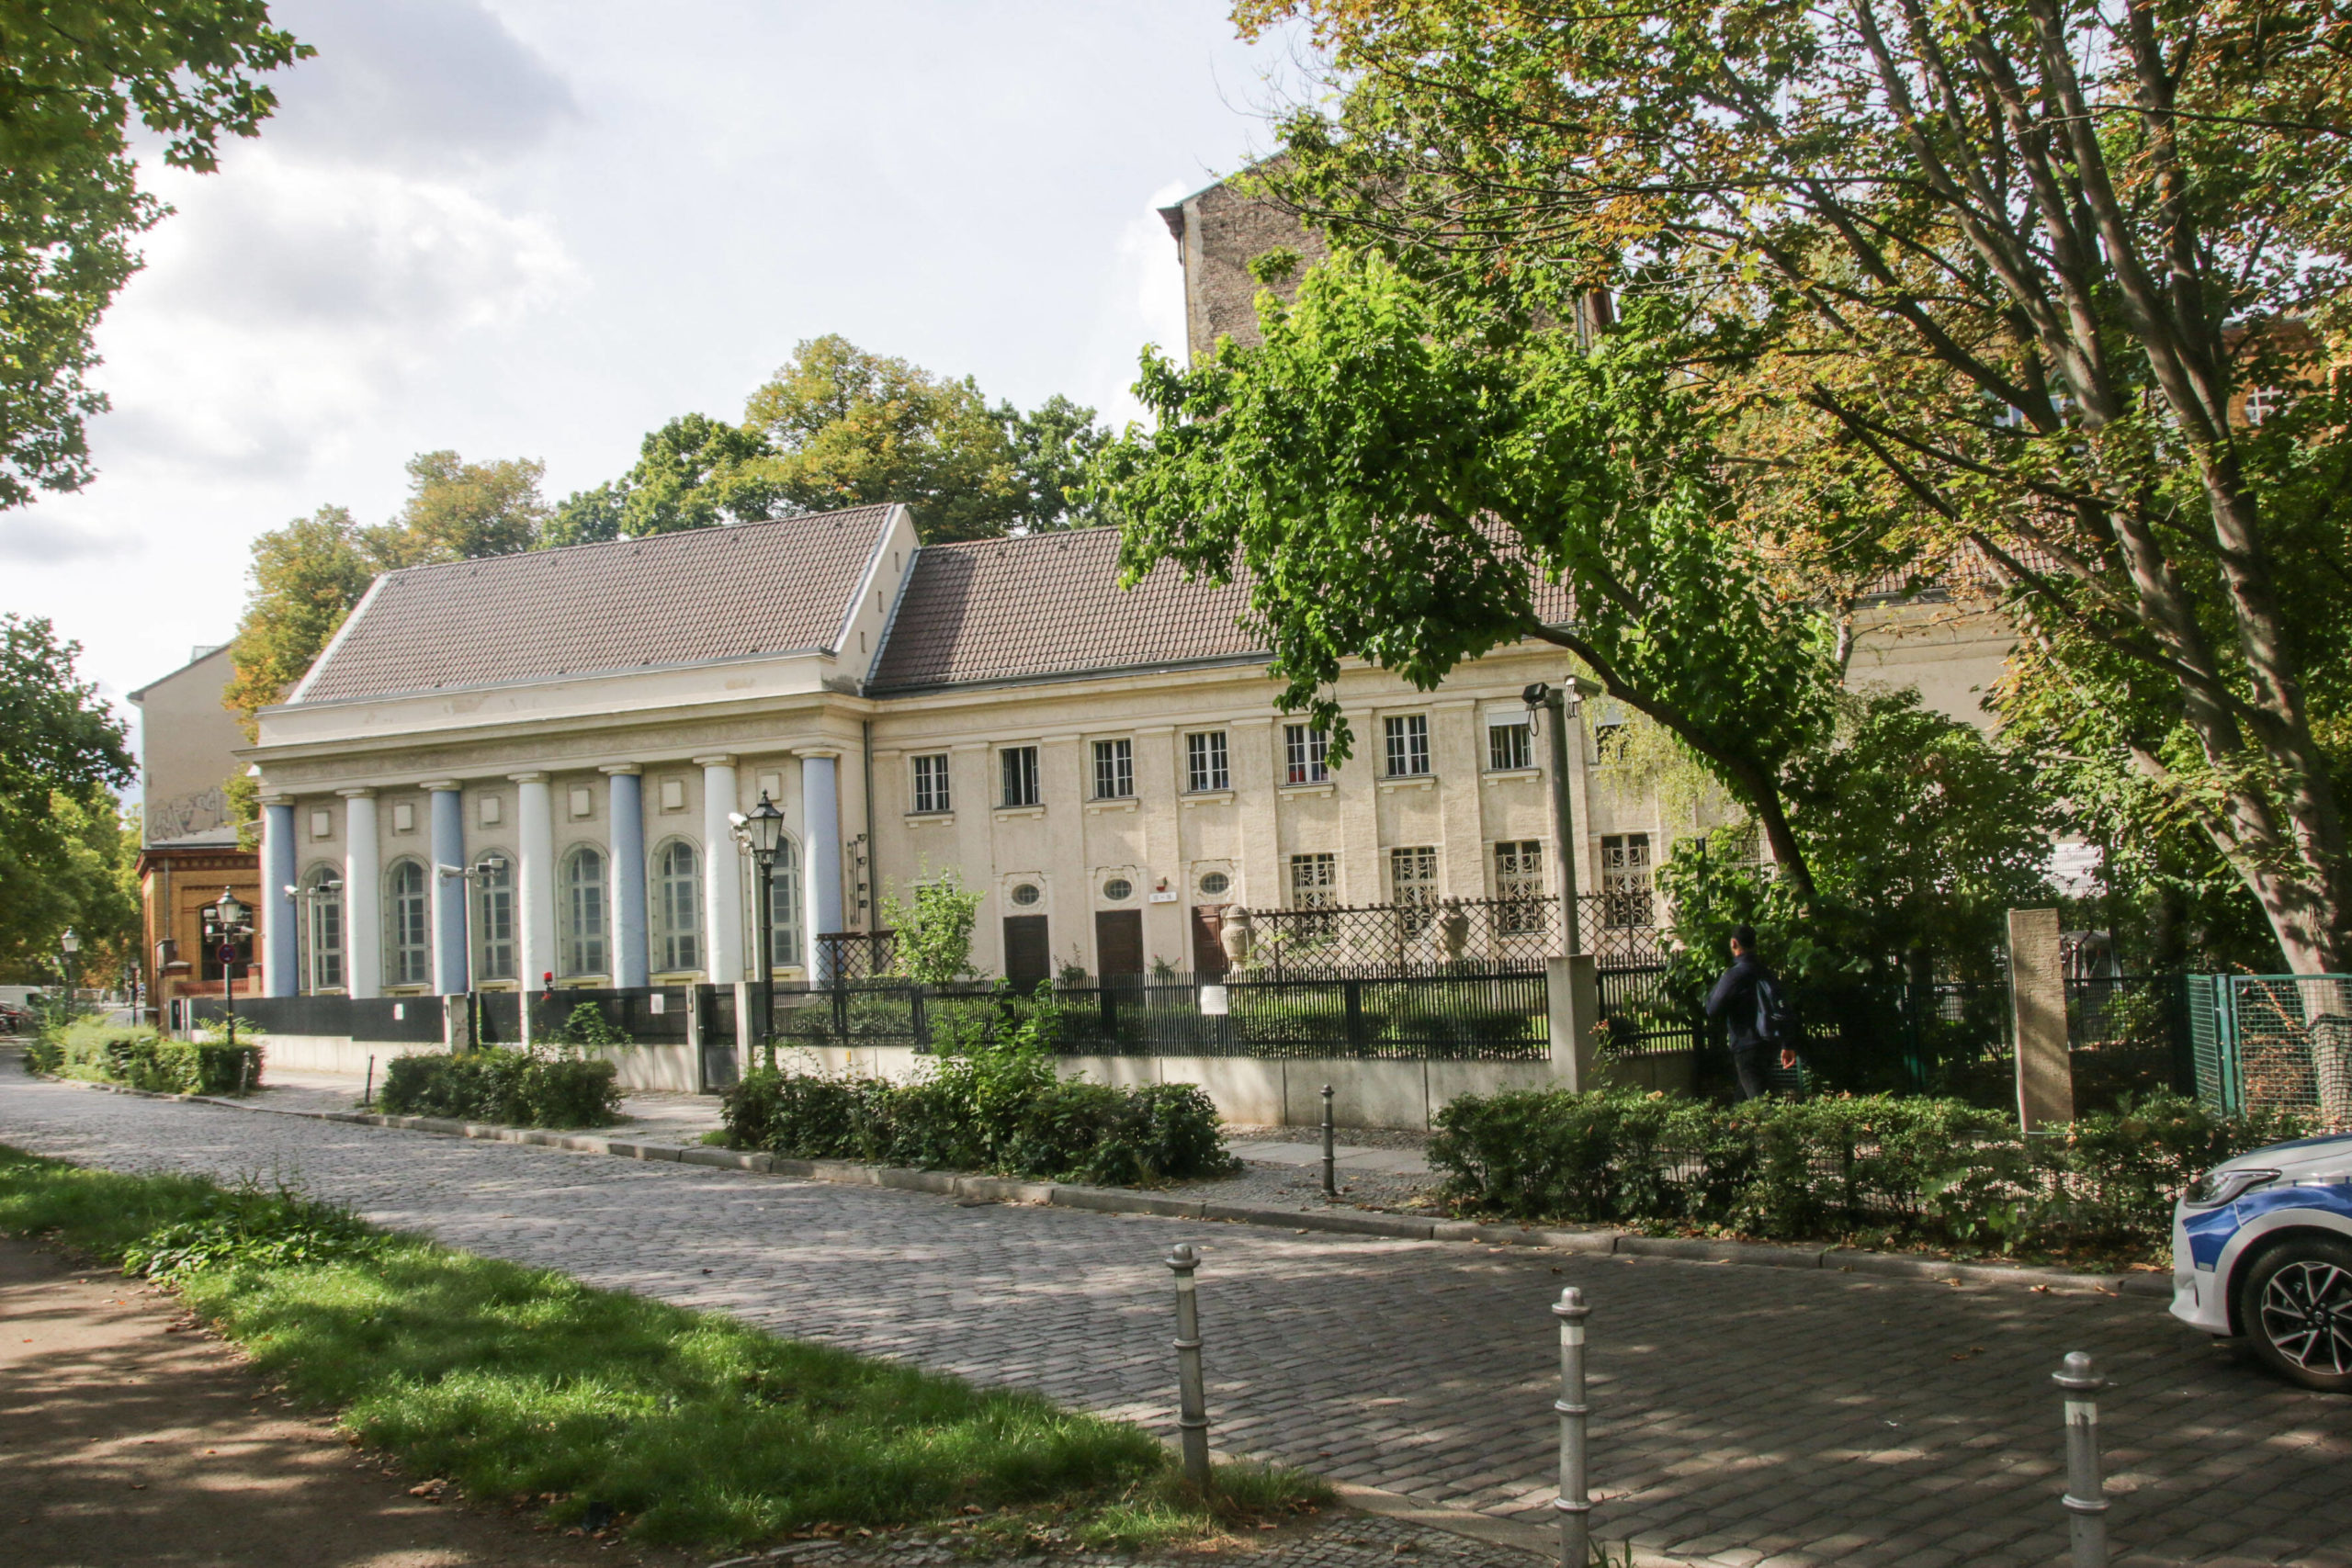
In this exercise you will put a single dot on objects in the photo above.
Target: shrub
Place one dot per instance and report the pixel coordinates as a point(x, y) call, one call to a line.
point(518, 1088)
point(999, 1108)
point(251, 1229)
point(132, 1055)
point(1929, 1170)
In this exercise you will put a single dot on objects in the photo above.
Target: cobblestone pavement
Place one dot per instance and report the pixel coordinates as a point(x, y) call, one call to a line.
point(1741, 1413)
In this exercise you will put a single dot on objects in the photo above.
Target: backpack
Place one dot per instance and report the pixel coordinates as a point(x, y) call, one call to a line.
point(1776, 1021)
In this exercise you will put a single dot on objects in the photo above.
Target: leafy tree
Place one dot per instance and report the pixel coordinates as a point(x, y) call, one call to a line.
point(1409, 478)
point(71, 74)
point(586, 517)
point(306, 577)
point(692, 473)
point(935, 940)
point(1052, 445)
point(61, 855)
point(2002, 276)
point(461, 511)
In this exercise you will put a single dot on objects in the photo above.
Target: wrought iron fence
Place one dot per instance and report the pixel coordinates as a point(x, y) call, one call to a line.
point(1643, 1020)
point(1501, 936)
point(845, 956)
point(2274, 1041)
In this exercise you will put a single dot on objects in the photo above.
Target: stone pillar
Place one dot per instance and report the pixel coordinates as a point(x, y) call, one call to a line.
point(722, 873)
point(1573, 986)
point(534, 881)
point(2038, 1012)
point(630, 965)
point(452, 965)
point(820, 800)
point(363, 908)
point(280, 917)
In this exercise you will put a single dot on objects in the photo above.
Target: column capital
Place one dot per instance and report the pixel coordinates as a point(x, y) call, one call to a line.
point(805, 753)
point(367, 793)
point(716, 760)
point(437, 785)
point(616, 769)
point(275, 797)
point(528, 778)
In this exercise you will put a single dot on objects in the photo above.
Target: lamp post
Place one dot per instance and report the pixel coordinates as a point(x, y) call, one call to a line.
point(760, 832)
point(69, 944)
point(467, 876)
point(1559, 701)
point(230, 921)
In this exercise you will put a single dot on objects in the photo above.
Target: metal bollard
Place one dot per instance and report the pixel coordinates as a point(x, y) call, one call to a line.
point(368, 1095)
point(2086, 1498)
point(1574, 1503)
point(1192, 1397)
point(1331, 1185)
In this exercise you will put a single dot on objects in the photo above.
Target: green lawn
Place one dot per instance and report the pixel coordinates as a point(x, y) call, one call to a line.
point(522, 1383)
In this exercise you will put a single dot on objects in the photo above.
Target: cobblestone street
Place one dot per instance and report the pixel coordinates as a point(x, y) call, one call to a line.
point(1742, 1413)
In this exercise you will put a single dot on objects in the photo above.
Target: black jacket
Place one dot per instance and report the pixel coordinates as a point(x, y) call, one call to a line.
point(1734, 1000)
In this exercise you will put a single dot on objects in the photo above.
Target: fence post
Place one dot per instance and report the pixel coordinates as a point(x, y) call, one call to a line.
point(1192, 1396)
point(1352, 989)
point(1572, 1002)
point(1575, 1502)
point(2038, 1005)
point(2086, 1498)
point(1330, 1188)
point(919, 1014)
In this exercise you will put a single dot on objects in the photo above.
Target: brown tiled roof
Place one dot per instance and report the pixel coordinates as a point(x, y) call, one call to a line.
point(1049, 605)
point(669, 599)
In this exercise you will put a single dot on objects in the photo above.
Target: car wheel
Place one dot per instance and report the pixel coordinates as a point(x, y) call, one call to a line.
point(2296, 1306)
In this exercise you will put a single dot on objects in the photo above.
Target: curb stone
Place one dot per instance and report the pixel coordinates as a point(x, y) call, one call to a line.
point(1119, 1201)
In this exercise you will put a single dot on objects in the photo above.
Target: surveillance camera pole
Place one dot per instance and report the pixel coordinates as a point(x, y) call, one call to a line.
point(1554, 700)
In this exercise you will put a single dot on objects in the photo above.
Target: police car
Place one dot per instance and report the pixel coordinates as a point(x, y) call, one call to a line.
point(2262, 1246)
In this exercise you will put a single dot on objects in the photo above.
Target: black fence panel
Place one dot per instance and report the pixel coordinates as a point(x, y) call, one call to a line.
point(411, 1020)
point(2129, 1035)
point(645, 1015)
point(1447, 936)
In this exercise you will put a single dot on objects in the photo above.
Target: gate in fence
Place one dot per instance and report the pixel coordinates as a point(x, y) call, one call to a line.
point(2274, 1041)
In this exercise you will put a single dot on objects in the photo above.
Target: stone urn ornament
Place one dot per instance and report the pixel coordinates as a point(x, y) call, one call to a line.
point(1236, 935)
point(1453, 930)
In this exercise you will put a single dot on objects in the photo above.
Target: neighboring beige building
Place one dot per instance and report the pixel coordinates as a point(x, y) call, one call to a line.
point(187, 746)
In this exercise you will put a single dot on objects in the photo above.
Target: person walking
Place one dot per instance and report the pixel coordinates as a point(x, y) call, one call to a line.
point(1747, 998)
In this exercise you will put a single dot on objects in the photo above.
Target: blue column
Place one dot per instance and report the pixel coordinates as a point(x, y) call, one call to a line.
point(627, 802)
point(821, 802)
point(450, 959)
point(281, 933)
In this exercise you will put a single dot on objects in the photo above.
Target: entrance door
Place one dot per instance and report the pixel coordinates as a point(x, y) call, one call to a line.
point(1118, 941)
point(1208, 946)
point(1028, 957)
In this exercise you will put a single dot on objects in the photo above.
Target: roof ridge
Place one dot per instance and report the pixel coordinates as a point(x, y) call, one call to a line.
point(642, 538)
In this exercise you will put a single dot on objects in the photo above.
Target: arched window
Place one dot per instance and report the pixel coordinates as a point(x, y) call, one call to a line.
point(408, 908)
point(323, 929)
point(493, 889)
point(677, 906)
point(583, 912)
point(786, 925)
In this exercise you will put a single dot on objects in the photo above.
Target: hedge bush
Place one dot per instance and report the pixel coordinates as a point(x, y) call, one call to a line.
point(1932, 1172)
point(137, 1057)
point(996, 1107)
point(515, 1088)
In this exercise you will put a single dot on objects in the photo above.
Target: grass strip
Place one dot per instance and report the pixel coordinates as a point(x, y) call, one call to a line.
point(683, 1427)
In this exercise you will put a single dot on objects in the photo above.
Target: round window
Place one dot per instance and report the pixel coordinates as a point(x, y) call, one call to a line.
point(1215, 882)
point(1026, 893)
point(1118, 889)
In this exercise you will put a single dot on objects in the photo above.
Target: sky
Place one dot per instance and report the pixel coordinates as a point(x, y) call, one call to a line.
point(541, 228)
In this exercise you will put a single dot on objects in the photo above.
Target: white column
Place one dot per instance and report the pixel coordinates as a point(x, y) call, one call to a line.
point(363, 908)
point(722, 870)
point(535, 876)
point(820, 805)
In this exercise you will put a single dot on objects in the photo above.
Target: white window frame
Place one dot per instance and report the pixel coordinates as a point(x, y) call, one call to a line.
point(1314, 881)
point(1115, 770)
point(408, 910)
point(1628, 896)
point(1208, 765)
point(1018, 785)
point(1305, 755)
point(496, 943)
point(1519, 885)
point(323, 956)
point(587, 911)
point(677, 908)
point(928, 776)
point(1511, 746)
point(1405, 745)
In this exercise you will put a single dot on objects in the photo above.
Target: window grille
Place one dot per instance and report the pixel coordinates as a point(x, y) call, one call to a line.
point(1205, 763)
point(411, 909)
point(2263, 401)
point(1519, 883)
point(1412, 883)
point(930, 782)
point(1314, 881)
point(1304, 751)
point(1627, 900)
point(678, 941)
point(1408, 736)
point(1019, 768)
point(1509, 747)
point(583, 912)
point(1115, 770)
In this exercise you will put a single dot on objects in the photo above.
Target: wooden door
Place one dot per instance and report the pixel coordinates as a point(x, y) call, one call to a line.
point(1208, 946)
point(1118, 941)
point(1028, 956)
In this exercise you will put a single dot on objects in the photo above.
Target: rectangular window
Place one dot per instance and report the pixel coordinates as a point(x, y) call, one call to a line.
point(1205, 764)
point(1019, 764)
point(1304, 749)
point(1314, 881)
point(930, 782)
point(1509, 748)
point(1412, 887)
point(1115, 770)
point(1408, 737)
point(1519, 884)
point(1626, 897)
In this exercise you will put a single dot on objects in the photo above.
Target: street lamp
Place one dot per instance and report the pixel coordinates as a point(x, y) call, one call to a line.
point(1560, 702)
point(761, 831)
point(230, 921)
point(69, 944)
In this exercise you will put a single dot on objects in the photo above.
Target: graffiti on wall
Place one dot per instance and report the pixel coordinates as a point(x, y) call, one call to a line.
point(185, 815)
